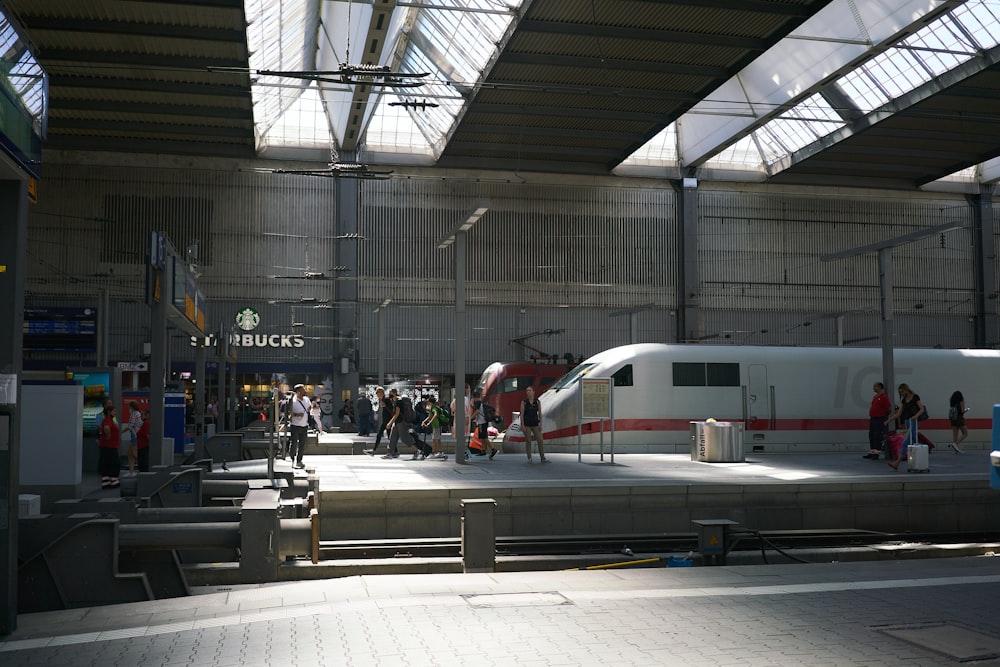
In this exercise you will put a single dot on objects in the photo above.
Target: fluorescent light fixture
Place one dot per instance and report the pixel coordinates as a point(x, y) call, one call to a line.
point(480, 210)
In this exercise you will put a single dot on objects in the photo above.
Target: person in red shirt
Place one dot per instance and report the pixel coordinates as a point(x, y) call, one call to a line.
point(880, 409)
point(108, 463)
point(142, 442)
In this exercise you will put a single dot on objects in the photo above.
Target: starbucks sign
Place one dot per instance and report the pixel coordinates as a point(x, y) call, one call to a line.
point(248, 319)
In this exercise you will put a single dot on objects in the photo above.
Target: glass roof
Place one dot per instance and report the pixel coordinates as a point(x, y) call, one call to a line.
point(452, 41)
point(938, 47)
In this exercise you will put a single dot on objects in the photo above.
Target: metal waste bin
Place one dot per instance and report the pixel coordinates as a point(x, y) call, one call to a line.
point(717, 442)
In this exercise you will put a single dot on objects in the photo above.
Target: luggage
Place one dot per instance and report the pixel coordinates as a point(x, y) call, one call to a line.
point(918, 458)
point(894, 443)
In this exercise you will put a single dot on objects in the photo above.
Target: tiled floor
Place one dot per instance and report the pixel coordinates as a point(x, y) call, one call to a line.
point(906, 612)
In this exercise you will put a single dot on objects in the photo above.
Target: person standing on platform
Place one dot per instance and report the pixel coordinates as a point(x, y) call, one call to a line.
point(531, 424)
point(134, 424)
point(299, 424)
point(142, 443)
point(365, 412)
point(317, 415)
point(909, 411)
point(879, 411)
point(108, 463)
point(956, 415)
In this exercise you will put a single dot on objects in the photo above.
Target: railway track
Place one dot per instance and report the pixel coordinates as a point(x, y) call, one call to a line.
point(648, 544)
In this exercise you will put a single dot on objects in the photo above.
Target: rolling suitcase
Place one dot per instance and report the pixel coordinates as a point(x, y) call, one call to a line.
point(918, 458)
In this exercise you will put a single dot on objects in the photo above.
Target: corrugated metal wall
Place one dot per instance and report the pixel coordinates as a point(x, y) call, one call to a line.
point(543, 257)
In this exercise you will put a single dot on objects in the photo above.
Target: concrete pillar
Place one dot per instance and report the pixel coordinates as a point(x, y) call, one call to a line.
point(13, 231)
point(479, 535)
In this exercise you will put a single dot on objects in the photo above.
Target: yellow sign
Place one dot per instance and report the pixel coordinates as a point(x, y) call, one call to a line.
point(32, 190)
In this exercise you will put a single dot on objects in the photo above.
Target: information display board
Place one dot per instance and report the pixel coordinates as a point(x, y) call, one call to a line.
point(596, 393)
point(60, 329)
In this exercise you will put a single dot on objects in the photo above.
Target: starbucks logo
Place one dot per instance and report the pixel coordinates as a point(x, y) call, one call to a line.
point(247, 319)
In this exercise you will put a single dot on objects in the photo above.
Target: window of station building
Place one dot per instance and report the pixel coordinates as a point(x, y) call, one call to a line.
point(623, 376)
point(516, 384)
point(687, 374)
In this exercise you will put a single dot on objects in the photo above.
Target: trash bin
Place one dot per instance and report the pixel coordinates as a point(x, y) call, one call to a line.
point(717, 442)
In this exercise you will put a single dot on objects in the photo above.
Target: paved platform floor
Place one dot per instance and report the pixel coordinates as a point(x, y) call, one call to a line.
point(361, 472)
point(919, 613)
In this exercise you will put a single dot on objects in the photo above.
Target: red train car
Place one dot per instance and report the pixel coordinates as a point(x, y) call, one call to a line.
point(503, 384)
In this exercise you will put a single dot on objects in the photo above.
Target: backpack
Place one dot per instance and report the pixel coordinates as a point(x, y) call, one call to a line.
point(406, 412)
point(444, 416)
point(490, 413)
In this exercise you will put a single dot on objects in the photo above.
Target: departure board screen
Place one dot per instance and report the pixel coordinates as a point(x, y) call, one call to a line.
point(60, 329)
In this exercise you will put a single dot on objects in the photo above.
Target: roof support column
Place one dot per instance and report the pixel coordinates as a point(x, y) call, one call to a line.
point(346, 296)
point(985, 329)
point(13, 234)
point(688, 284)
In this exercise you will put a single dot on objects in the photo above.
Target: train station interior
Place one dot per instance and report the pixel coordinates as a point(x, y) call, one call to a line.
point(713, 224)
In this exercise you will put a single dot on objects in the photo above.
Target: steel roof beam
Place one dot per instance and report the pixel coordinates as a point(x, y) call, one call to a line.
point(592, 31)
point(151, 108)
point(241, 149)
point(132, 29)
point(459, 147)
point(529, 131)
point(161, 61)
point(119, 127)
point(545, 60)
point(755, 6)
point(212, 4)
point(143, 85)
point(523, 110)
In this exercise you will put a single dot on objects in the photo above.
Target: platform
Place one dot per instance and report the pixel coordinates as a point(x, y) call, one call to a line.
point(918, 613)
point(364, 497)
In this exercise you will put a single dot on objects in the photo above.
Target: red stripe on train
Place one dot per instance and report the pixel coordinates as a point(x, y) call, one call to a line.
point(622, 425)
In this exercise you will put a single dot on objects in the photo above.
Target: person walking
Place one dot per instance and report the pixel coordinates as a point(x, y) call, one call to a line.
point(108, 463)
point(909, 411)
point(386, 408)
point(299, 408)
point(433, 422)
point(878, 412)
point(956, 415)
point(531, 424)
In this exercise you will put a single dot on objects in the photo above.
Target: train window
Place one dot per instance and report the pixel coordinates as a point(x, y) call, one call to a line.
point(689, 374)
point(572, 376)
point(706, 375)
point(623, 376)
point(516, 384)
point(723, 375)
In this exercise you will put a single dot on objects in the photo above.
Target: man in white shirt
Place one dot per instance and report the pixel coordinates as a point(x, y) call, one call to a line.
point(299, 424)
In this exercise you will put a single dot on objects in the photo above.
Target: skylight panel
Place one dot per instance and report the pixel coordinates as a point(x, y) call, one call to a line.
point(303, 124)
point(743, 154)
point(454, 47)
point(797, 128)
point(660, 150)
point(276, 35)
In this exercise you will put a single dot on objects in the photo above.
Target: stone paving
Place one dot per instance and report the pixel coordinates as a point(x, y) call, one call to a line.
point(928, 612)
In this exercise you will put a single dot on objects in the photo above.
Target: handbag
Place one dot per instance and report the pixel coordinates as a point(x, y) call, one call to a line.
point(923, 415)
point(310, 420)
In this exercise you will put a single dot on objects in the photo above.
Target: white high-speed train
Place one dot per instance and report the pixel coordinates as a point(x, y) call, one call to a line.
point(782, 395)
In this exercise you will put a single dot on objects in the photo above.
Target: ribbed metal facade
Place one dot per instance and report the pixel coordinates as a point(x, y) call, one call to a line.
point(544, 257)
